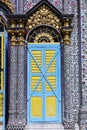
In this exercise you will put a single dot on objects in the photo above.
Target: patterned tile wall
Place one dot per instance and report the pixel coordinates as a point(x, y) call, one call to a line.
point(28, 4)
point(72, 86)
point(71, 67)
point(84, 61)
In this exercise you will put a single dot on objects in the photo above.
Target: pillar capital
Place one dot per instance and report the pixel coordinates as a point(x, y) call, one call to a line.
point(66, 35)
point(16, 31)
point(21, 39)
point(13, 40)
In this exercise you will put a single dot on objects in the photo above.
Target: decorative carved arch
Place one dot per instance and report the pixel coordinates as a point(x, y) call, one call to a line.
point(38, 33)
point(7, 6)
point(44, 13)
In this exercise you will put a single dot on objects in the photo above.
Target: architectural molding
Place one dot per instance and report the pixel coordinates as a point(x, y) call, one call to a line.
point(43, 14)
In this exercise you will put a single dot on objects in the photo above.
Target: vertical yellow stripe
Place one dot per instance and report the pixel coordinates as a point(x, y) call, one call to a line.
point(2, 51)
point(1, 105)
point(2, 61)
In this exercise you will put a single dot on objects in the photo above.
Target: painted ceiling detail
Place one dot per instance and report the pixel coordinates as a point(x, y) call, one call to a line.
point(28, 4)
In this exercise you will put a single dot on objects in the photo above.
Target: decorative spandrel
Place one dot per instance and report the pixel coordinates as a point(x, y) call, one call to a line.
point(43, 15)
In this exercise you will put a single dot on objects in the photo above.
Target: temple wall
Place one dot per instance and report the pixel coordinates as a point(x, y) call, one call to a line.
point(83, 109)
point(73, 63)
point(75, 66)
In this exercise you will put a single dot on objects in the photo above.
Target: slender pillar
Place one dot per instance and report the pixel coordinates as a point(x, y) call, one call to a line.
point(13, 79)
point(68, 121)
point(20, 82)
point(83, 85)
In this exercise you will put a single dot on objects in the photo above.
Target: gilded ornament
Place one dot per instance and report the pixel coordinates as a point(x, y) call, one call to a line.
point(30, 26)
point(21, 24)
point(57, 26)
point(33, 25)
point(43, 38)
point(13, 24)
point(57, 20)
point(38, 20)
point(66, 22)
point(13, 39)
point(66, 35)
point(29, 20)
point(35, 21)
point(21, 39)
point(43, 16)
point(44, 12)
point(31, 17)
point(52, 21)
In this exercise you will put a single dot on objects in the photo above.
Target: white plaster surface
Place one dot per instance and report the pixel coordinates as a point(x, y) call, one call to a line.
point(44, 127)
point(77, 127)
point(1, 127)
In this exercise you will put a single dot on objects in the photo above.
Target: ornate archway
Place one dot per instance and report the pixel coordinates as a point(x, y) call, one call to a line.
point(51, 26)
point(44, 74)
point(43, 32)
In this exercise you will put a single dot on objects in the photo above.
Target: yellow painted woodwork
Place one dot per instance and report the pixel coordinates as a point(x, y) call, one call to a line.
point(52, 80)
point(2, 80)
point(2, 61)
point(37, 55)
point(34, 81)
point(2, 51)
point(1, 105)
point(49, 56)
point(50, 106)
point(2, 71)
point(36, 106)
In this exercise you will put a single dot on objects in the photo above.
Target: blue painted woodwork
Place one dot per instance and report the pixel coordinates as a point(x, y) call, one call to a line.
point(5, 47)
point(43, 78)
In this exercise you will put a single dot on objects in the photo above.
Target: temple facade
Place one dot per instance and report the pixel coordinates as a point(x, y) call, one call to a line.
point(43, 64)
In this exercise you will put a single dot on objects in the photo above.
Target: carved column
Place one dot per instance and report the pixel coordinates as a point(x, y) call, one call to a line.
point(13, 79)
point(21, 83)
point(83, 85)
point(67, 119)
